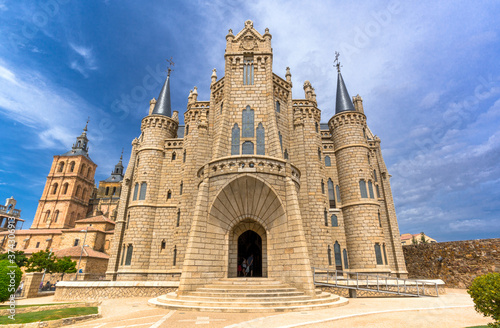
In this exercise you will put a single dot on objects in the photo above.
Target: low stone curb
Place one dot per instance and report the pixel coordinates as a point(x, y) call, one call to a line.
point(57, 323)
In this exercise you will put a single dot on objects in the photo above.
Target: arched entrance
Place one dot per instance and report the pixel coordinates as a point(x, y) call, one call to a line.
point(250, 248)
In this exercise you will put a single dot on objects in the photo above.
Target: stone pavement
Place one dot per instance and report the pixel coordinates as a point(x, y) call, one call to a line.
point(454, 309)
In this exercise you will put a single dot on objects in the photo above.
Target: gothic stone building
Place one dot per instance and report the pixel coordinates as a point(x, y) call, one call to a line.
point(253, 171)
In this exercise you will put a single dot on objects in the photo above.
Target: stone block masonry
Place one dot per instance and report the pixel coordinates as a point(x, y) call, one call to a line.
point(462, 261)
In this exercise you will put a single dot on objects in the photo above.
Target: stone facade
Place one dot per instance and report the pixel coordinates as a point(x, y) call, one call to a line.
point(457, 263)
point(254, 171)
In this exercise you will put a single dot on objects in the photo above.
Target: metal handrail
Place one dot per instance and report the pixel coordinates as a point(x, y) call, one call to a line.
point(377, 279)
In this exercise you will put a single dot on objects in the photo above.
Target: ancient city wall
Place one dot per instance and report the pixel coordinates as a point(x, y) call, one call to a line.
point(462, 261)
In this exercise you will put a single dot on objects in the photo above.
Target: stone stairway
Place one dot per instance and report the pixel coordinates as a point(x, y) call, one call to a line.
point(247, 295)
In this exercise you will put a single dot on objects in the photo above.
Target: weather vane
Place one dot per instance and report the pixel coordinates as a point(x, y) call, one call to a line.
point(170, 65)
point(337, 61)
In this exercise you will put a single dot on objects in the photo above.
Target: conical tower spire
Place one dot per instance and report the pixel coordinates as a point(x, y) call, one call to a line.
point(163, 105)
point(343, 102)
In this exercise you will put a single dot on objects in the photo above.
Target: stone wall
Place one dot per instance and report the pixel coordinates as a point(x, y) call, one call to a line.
point(96, 291)
point(462, 261)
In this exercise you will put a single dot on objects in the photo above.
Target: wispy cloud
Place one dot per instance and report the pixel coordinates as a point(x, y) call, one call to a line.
point(52, 111)
point(86, 60)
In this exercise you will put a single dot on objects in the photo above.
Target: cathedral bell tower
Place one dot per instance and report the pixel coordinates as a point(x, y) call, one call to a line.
point(68, 188)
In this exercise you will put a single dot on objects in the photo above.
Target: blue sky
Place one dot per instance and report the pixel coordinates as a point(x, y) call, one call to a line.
point(428, 73)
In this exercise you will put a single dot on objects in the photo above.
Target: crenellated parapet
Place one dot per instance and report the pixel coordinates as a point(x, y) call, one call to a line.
point(281, 88)
point(249, 164)
point(305, 110)
point(217, 89)
point(196, 111)
point(161, 122)
point(347, 118)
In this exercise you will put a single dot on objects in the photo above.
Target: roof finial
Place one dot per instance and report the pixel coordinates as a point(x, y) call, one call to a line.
point(121, 156)
point(170, 65)
point(337, 61)
point(85, 128)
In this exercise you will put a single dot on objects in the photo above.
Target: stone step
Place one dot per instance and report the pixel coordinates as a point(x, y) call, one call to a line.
point(242, 293)
point(337, 301)
point(247, 281)
point(243, 298)
point(245, 303)
point(247, 287)
point(215, 289)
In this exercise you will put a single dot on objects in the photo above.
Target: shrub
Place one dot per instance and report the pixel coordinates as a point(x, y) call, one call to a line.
point(485, 292)
point(6, 289)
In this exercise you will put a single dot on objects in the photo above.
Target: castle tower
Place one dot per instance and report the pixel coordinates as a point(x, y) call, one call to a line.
point(68, 188)
point(105, 199)
point(143, 192)
point(364, 235)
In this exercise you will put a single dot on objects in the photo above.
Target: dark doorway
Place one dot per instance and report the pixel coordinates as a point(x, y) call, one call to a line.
point(250, 243)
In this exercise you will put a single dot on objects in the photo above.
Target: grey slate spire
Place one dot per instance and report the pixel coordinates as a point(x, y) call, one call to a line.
point(81, 146)
point(343, 102)
point(163, 106)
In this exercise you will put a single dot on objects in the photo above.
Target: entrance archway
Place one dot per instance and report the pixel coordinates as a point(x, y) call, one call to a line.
point(250, 248)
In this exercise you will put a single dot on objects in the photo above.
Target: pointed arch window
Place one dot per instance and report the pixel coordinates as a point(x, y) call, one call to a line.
point(338, 256)
point(334, 220)
point(346, 261)
point(247, 148)
point(385, 254)
point(235, 140)
point(362, 189)
point(261, 147)
point(61, 167)
point(72, 166)
point(82, 168)
point(169, 194)
point(328, 161)
point(163, 245)
point(47, 215)
point(329, 255)
point(136, 190)
point(128, 258)
point(331, 193)
point(174, 155)
point(325, 213)
point(370, 189)
point(337, 191)
point(78, 191)
point(248, 123)
point(248, 71)
point(378, 254)
point(277, 106)
point(142, 193)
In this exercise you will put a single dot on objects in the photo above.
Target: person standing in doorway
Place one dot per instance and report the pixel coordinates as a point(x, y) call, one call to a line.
point(250, 264)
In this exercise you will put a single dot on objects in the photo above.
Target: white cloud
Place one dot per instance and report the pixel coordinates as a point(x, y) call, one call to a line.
point(53, 112)
point(86, 63)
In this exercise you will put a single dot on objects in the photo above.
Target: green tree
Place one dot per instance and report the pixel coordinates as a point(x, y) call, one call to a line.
point(485, 292)
point(414, 240)
point(422, 238)
point(65, 265)
point(18, 256)
point(10, 277)
point(40, 261)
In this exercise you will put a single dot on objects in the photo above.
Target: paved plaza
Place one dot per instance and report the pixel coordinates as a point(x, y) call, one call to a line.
point(454, 309)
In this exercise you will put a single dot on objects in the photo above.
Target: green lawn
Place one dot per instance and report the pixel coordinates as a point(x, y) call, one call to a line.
point(2, 307)
point(48, 315)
